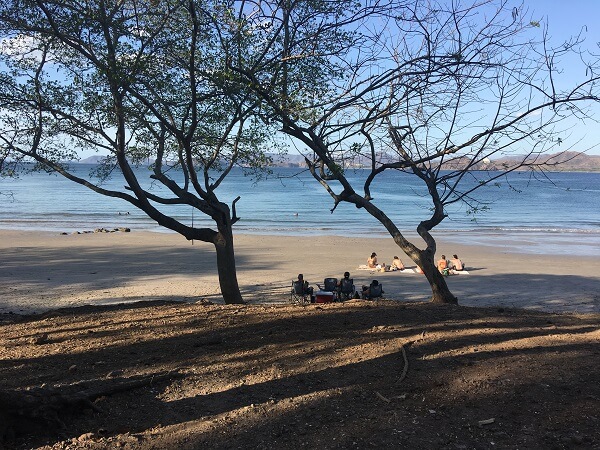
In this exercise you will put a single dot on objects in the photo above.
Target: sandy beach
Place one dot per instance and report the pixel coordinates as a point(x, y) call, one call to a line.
point(183, 375)
point(45, 271)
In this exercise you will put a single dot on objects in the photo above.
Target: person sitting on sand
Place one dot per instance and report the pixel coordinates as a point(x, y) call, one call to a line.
point(372, 261)
point(442, 266)
point(397, 264)
point(457, 264)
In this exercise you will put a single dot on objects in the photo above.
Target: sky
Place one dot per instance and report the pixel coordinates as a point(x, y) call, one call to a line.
point(566, 18)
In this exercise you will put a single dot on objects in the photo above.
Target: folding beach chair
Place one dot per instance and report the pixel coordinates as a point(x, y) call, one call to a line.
point(347, 289)
point(374, 290)
point(330, 285)
point(299, 295)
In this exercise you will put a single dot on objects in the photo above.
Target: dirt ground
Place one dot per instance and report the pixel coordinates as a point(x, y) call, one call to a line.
point(347, 375)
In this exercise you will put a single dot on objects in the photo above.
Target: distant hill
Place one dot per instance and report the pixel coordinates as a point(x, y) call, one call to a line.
point(94, 159)
point(557, 162)
point(288, 161)
point(278, 161)
point(575, 162)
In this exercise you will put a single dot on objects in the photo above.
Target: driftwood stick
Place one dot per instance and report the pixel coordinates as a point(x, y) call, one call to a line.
point(405, 358)
point(385, 399)
point(405, 368)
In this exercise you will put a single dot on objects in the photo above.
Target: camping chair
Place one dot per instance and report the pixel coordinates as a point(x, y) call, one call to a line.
point(299, 295)
point(330, 285)
point(347, 289)
point(375, 290)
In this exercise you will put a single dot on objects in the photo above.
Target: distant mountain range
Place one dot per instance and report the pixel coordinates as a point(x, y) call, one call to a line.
point(557, 162)
point(94, 159)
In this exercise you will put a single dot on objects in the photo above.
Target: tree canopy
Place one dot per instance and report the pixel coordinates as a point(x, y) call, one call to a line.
point(136, 81)
point(434, 89)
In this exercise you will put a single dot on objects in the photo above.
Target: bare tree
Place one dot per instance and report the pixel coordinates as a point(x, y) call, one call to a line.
point(134, 80)
point(439, 90)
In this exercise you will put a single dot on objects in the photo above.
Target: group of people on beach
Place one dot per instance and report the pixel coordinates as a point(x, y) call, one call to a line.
point(444, 265)
point(395, 265)
point(342, 288)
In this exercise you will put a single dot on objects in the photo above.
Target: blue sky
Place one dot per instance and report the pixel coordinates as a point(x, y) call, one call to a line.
point(566, 18)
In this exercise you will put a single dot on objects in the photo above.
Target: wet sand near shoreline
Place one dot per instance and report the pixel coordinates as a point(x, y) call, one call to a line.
point(45, 271)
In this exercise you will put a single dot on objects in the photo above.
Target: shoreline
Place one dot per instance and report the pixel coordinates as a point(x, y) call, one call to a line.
point(536, 242)
point(41, 271)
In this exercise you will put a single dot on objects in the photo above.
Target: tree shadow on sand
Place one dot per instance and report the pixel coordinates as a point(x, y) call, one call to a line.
point(326, 376)
point(542, 292)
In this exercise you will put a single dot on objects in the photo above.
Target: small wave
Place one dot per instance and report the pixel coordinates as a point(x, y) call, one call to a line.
point(485, 230)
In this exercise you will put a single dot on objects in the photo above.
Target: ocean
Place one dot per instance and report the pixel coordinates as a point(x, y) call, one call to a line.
point(557, 215)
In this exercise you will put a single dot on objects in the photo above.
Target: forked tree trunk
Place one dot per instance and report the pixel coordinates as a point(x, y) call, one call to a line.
point(440, 293)
point(228, 282)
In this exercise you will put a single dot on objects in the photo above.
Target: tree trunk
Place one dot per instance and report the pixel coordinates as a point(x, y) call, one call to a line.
point(226, 267)
point(440, 293)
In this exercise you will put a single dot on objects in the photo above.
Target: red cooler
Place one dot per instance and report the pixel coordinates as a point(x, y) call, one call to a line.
point(323, 297)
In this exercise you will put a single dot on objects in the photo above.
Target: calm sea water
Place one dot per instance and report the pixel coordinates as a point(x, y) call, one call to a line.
point(557, 216)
